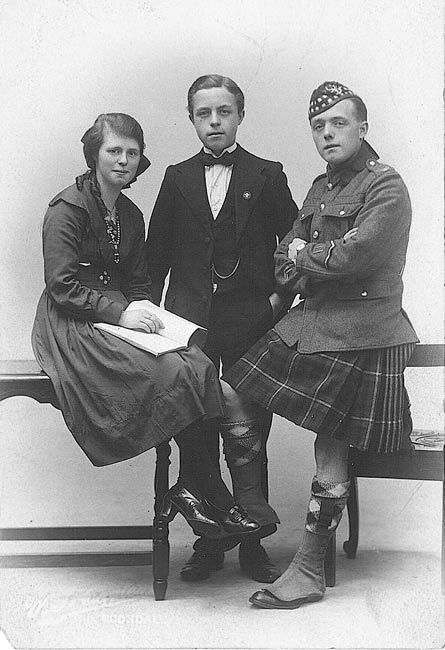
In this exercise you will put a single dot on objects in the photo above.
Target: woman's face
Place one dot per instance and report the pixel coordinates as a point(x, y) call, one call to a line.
point(117, 160)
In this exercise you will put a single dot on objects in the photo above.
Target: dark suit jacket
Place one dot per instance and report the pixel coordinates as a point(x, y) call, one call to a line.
point(180, 237)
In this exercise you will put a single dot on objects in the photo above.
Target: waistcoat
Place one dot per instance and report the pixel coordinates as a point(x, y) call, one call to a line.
point(225, 261)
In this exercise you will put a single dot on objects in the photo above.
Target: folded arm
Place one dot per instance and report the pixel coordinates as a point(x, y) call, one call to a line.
point(377, 239)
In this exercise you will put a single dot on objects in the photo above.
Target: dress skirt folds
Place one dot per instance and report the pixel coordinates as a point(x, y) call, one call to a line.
point(117, 400)
point(355, 396)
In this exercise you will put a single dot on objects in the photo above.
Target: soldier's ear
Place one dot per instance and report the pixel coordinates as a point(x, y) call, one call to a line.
point(363, 130)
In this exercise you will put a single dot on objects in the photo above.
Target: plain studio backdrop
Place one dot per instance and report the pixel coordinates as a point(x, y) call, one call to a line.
point(66, 61)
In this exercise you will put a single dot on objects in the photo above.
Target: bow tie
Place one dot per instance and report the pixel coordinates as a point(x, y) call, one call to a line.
point(226, 159)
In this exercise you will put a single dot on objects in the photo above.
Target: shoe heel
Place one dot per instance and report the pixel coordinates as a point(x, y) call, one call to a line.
point(169, 509)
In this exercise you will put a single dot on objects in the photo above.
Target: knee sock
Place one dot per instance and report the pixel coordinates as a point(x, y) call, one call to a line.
point(304, 578)
point(243, 450)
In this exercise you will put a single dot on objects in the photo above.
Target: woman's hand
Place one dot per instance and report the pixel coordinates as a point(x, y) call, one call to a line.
point(141, 319)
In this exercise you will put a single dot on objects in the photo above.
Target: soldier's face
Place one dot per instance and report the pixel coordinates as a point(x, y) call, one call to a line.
point(216, 118)
point(338, 133)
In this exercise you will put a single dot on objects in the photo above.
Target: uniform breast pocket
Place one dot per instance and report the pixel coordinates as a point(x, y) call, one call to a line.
point(342, 217)
point(305, 216)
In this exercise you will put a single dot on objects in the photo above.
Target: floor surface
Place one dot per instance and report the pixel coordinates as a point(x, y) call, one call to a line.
point(388, 597)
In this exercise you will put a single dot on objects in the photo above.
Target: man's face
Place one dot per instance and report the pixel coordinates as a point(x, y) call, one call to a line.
point(338, 133)
point(215, 118)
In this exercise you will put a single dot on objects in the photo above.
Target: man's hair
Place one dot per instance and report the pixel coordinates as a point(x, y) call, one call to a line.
point(215, 81)
point(361, 112)
point(120, 124)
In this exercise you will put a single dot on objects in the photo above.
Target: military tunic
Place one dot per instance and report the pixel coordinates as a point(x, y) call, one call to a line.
point(334, 363)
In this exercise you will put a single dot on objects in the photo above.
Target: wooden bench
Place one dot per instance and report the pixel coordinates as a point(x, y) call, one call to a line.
point(24, 378)
point(424, 462)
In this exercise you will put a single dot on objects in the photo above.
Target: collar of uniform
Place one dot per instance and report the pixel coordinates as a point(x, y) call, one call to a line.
point(357, 163)
point(230, 149)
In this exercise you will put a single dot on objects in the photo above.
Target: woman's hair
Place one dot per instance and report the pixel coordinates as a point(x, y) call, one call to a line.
point(120, 124)
point(215, 81)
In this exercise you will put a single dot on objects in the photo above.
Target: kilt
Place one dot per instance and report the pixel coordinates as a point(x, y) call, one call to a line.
point(356, 396)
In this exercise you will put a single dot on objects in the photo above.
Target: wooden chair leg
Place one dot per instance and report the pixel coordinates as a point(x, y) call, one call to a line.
point(329, 562)
point(350, 546)
point(161, 545)
point(161, 557)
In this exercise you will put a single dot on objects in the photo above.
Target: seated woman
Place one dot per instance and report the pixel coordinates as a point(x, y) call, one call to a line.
point(117, 400)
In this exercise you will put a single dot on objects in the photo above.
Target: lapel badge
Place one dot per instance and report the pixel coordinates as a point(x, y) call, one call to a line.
point(247, 195)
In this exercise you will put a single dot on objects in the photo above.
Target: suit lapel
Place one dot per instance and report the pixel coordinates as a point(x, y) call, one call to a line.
point(249, 182)
point(191, 183)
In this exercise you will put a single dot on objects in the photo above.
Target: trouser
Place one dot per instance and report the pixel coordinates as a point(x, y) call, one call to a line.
point(199, 474)
point(225, 345)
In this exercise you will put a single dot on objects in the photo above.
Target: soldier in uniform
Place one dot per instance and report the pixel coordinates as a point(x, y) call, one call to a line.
point(334, 363)
point(215, 227)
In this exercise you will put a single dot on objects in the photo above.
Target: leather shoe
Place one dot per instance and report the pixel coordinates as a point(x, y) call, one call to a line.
point(236, 521)
point(255, 562)
point(200, 566)
point(179, 499)
point(267, 600)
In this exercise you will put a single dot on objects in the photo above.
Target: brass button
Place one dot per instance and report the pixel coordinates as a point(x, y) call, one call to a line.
point(364, 294)
point(330, 186)
point(322, 206)
point(372, 163)
point(315, 234)
point(342, 212)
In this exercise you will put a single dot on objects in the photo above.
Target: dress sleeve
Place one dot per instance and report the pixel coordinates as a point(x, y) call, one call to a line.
point(62, 235)
point(137, 285)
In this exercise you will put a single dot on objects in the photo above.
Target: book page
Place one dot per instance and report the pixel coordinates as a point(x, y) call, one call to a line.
point(152, 343)
point(175, 328)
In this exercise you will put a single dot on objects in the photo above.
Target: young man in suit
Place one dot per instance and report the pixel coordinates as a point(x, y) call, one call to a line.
point(334, 363)
point(214, 227)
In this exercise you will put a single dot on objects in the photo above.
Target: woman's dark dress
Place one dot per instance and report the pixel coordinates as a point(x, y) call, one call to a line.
point(117, 401)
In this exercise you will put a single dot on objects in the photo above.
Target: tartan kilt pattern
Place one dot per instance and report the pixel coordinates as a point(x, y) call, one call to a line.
point(356, 396)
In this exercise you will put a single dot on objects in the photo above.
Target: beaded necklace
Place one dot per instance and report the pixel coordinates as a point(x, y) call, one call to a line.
point(113, 226)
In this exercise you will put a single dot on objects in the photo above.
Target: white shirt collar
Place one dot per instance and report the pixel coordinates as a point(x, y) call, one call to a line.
point(229, 150)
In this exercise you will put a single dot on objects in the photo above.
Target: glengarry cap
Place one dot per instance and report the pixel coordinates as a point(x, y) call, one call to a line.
point(327, 95)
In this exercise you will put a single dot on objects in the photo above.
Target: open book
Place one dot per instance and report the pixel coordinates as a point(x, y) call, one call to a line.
point(177, 333)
